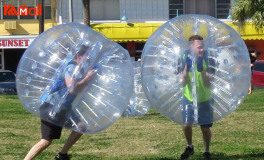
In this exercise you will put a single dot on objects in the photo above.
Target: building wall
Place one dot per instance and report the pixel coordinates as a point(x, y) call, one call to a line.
point(25, 27)
point(19, 33)
point(200, 7)
point(28, 27)
point(145, 10)
point(99, 10)
point(105, 10)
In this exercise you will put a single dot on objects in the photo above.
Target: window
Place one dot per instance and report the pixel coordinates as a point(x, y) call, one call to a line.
point(12, 2)
point(176, 8)
point(47, 8)
point(222, 8)
point(29, 4)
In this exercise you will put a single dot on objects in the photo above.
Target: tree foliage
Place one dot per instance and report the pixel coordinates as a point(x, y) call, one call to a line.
point(244, 10)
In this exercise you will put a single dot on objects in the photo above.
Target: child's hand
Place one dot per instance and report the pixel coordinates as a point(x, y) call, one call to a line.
point(89, 75)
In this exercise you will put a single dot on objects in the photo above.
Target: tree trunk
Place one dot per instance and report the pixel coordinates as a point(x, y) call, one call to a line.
point(86, 12)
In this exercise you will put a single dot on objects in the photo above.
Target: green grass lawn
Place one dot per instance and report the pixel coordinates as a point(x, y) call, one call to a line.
point(238, 136)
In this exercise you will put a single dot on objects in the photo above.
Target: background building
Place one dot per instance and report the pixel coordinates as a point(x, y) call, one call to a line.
point(144, 16)
point(128, 22)
point(17, 32)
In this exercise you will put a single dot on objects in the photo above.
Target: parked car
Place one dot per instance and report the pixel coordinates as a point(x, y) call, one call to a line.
point(257, 79)
point(7, 82)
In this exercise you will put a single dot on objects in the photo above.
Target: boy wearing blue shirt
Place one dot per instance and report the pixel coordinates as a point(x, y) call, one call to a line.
point(70, 84)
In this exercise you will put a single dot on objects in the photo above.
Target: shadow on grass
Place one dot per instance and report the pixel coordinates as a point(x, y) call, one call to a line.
point(161, 159)
point(75, 156)
point(153, 114)
point(218, 156)
point(244, 156)
point(158, 158)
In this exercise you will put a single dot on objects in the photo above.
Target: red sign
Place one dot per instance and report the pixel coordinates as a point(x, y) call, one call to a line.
point(14, 43)
point(23, 10)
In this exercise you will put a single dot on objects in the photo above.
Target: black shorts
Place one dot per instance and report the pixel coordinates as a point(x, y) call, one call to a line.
point(47, 113)
point(50, 131)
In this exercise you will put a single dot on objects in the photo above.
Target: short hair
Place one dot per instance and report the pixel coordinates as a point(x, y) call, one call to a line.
point(257, 53)
point(80, 49)
point(195, 37)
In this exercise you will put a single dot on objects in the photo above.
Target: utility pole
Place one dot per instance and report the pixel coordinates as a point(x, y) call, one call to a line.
point(41, 17)
point(70, 11)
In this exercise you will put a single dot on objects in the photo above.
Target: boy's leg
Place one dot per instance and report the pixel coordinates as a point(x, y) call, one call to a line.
point(205, 117)
point(74, 136)
point(187, 130)
point(250, 89)
point(37, 148)
point(48, 133)
point(207, 135)
point(189, 150)
point(187, 117)
point(206, 139)
point(72, 139)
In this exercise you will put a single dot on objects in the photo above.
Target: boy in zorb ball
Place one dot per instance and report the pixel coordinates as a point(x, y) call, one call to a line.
point(73, 77)
point(203, 65)
point(57, 106)
point(196, 105)
point(58, 103)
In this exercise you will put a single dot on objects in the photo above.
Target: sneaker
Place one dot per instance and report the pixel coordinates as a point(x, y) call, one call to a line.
point(60, 156)
point(188, 151)
point(207, 156)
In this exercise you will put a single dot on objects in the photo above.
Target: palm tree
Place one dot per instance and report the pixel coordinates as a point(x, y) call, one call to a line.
point(86, 12)
point(244, 10)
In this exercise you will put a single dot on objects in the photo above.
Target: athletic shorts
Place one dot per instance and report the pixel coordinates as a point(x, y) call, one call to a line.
point(50, 131)
point(205, 113)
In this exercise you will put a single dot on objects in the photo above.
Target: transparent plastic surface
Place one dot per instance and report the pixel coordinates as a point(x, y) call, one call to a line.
point(138, 104)
point(75, 77)
point(218, 79)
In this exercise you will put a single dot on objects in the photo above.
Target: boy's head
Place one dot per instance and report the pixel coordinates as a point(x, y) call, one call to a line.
point(255, 54)
point(195, 37)
point(196, 45)
point(80, 51)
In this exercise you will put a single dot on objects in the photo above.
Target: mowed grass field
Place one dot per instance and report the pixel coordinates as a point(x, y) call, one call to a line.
point(240, 135)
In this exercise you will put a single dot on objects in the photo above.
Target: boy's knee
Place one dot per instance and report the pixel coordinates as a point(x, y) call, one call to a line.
point(45, 142)
point(205, 129)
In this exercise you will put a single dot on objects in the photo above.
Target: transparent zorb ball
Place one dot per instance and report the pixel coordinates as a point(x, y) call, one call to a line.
point(138, 103)
point(169, 62)
point(61, 57)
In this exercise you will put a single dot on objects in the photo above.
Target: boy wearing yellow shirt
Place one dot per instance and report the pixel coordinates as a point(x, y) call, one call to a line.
point(203, 96)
